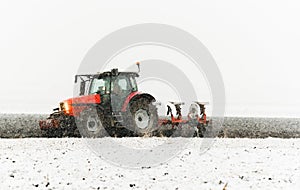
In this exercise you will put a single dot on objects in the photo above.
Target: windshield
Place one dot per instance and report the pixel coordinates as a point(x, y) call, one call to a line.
point(100, 86)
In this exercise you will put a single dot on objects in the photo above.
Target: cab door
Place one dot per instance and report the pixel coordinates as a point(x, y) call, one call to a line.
point(102, 86)
point(121, 88)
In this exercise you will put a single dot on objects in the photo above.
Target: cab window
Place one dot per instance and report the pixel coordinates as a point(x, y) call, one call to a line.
point(133, 83)
point(100, 86)
point(120, 83)
point(123, 84)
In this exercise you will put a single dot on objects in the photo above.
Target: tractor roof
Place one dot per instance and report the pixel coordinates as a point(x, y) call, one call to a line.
point(113, 72)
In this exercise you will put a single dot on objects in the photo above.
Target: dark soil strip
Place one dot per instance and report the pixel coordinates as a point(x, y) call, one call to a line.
point(26, 125)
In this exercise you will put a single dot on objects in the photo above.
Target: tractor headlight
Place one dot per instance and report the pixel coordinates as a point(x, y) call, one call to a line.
point(62, 106)
point(65, 107)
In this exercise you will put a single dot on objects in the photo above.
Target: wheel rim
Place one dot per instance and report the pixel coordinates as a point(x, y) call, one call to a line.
point(92, 124)
point(142, 119)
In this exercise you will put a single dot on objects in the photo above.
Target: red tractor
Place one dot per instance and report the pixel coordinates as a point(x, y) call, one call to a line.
point(109, 104)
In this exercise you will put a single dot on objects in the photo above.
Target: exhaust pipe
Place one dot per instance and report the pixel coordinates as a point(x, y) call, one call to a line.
point(138, 65)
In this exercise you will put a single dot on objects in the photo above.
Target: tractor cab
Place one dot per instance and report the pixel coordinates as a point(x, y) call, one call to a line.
point(114, 88)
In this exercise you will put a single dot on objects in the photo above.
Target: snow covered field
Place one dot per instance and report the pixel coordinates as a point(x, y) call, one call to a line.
point(67, 163)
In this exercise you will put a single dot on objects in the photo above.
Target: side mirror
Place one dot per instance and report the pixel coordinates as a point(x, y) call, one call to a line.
point(82, 88)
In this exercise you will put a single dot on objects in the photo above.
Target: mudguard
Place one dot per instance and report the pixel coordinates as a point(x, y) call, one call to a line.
point(135, 96)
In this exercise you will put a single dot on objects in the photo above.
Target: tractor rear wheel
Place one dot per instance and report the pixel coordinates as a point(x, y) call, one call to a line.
point(144, 117)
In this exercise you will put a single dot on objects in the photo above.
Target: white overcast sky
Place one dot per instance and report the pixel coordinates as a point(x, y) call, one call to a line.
point(255, 44)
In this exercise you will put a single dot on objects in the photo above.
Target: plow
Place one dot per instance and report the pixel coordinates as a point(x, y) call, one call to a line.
point(109, 104)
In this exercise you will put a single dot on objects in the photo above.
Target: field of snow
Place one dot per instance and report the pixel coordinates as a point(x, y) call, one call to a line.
point(67, 163)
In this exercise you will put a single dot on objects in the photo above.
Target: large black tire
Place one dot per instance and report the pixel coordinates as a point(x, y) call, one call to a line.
point(91, 124)
point(143, 118)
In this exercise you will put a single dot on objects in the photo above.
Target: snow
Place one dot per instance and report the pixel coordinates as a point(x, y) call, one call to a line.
point(68, 163)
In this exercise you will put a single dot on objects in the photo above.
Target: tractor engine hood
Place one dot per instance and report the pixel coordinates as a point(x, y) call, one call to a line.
point(73, 106)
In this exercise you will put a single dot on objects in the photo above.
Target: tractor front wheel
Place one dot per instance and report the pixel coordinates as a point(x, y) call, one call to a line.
point(90, 124)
